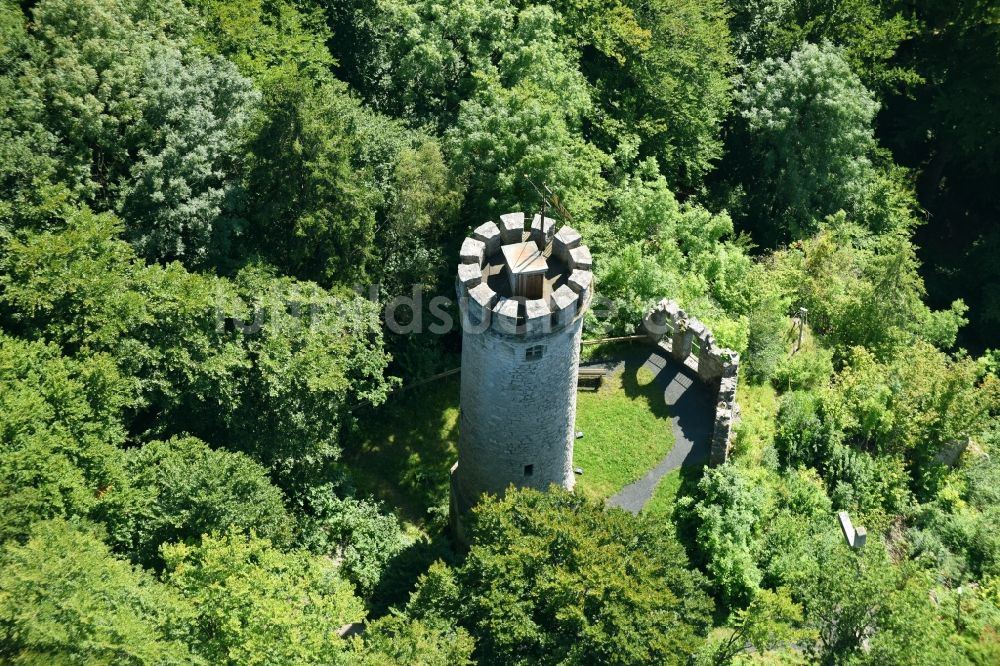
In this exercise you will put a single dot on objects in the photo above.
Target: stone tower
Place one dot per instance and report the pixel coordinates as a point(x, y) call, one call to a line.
point(522, 293)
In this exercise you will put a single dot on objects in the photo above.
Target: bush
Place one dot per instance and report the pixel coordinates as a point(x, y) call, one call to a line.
point(183, 489)
point(803, 371)
point(803, 436)
point(730, 512)
point(353, 531)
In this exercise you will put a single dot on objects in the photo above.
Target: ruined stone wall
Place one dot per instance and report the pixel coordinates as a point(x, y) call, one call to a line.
point(689, 342)
point(518, 408)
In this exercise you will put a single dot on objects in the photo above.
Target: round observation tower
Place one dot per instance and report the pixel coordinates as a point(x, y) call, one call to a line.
point(522, 292)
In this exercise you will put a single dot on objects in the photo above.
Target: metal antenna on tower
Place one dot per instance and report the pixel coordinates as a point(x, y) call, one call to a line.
point(541, 196)
point(557, 205)
point(550, 199)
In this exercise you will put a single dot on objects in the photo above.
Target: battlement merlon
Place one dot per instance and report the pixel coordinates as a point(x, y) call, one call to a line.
point(667, 322)
point(495, 270)
point(691, 343)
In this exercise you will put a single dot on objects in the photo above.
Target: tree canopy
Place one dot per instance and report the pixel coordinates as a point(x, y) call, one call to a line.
point(553, 578)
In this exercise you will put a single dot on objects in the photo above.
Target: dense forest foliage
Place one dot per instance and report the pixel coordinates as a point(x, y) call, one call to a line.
point(197, 197)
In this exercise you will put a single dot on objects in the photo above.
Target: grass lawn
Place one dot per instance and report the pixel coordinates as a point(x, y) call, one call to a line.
point(679, 483)
point(405, 453)
point(758, 406)
point(665, 496)
point(606, 351)
point(626, 431)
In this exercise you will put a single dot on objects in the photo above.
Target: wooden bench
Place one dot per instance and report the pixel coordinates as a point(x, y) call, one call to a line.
point(591, 378)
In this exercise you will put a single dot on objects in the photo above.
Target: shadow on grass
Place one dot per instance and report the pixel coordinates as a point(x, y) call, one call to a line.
point(405, 450)
point(636, 386)
point(401, 573)
point(609, 352)
point(675, 392)
point(672, 394)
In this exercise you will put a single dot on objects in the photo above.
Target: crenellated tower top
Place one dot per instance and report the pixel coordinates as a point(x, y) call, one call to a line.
point(524, 281)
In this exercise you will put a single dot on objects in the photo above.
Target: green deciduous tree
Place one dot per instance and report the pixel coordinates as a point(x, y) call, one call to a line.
point(553, 578)
point(729, 513)
point(330, 182)
point(862, 289)
point(811, 434)
point(417, 59)
point(354, 532)
point(766, 309)
point(769, 622)
point(181, 198)
point(525, 119)
point(145, 124)
point(30, 191)
point(955, 540)
point(870, 32)
point(853, 598)
point(257, 605)
point(86, 290)
point(809, 128)
point(65, 599)
point(315, 355)
point(660, 76)
point(802, 509)
point(59, 433)
point(916, 406)
point(392, 640)
point(882, 427)
point(311, 204)
point(420, 215)
point(651, 246)
point(183, 489)
point(267, 38)
point(266, 365)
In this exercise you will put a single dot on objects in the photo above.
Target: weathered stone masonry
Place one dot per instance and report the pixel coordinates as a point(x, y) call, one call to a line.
point(689, 342)
point(522, 293)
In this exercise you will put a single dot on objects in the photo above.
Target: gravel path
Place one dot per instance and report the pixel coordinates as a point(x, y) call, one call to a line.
point(691, 420)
